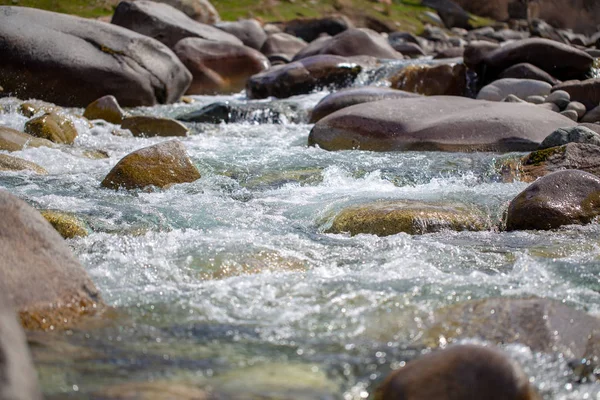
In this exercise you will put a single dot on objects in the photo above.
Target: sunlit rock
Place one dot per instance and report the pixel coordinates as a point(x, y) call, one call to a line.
point(54, 127)
point(9, 163)
point(106, 108)
point(13, 140)
point(149, 126)
point(436, 80)
point(68, 225)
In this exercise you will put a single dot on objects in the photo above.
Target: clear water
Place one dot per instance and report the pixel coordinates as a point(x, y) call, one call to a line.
point(230, 282)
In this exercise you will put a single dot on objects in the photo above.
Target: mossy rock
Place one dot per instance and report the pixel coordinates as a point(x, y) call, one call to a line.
point(33, 107)
point(54, 127)
point(13, 140)
point(9, 163)
point(392, 217)
point(68, 225)
point(160, 165)
point(436, 80)
point(145, 126)
point(106, 108)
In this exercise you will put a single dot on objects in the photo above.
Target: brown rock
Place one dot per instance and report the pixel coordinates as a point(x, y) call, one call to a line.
point(476, 52)
point(54, 127)
point(146, 126)
point(13, 140)
point(67, 224)
point(528, 71)
point(160, 165)
point(219, 67)
point(586, 92)
point(580, 156)
point(47, 285)
point(8, 163)
point(106, 108)
point(437, 80)
point(32, 107)
point(249, 31)
point(282, 44)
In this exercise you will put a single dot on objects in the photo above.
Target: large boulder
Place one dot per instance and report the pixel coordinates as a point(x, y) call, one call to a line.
point(559, 60)
point(45, 282)
point(165, 23)
point(352, 96)
point(302, 77)
point(13, 140)
point(575, 134)
point(574, 155)
point(451, 13)
point(458, 373)
point(560, 198)
point(160, 165)
point(442, 123)
point(415, 218)
point(586, 91)
point(219, 67)
point(273, 112)
point(522, 88)
point(198, 10)
point(432, 80)
point(353, 42)
point(528, 71)
point(73, 61)
point(249, 31)
point(18, 378)
point(309, 29)
point(282, 46)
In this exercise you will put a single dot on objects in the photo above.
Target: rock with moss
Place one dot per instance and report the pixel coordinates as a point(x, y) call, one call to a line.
point(458, 373)
point(148, 126)
point(46, 283)
point(9, 163)
point(573, 134)
point(13, 140)
point(54, 127)
point(392, 217)
point(68, 225)
point(106, 108)
point(560, 198)
point(160, 165)
point(432, 80)
point(580, 156)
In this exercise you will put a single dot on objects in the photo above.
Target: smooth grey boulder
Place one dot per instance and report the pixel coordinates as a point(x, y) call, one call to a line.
point(249, 31)
point(574, 134)
point(578, 107)
point(18, 378)
point(282, 45)
point(351, 96)
point(439, 123)
point(198, 10)
point(72, 61)
point(560, 98)
point(165, 23)
point(560, 198)
point(528, 71)
point(522, 88)
point(571, 114)
point(592, 116)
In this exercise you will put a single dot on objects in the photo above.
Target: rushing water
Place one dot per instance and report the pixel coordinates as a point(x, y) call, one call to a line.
point(230, 282)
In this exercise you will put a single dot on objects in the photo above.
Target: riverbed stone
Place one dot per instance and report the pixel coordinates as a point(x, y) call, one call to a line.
point(351, 96)
point(249, 31)
point(13, 140)
point(67, 224)
point(160, 165)
point(522, 88)
point(592, 116)
point(578, 107)
point(106, 108)
point(562, 61)
point(586, 91)
point(549, 106)
point(528, 71)
point(475, 53)
point(33, 107)
point(441, 123)
point(353, 42)
point(198, 10)
point(415, 218)
point(18, 376)
point(302, 77)
point(282, 45)
point(10, 163)
point(48, 286)
point(219, 67)
point(537, 99)
point(55, 127)
point(310, 29)
point(408, 49)
point(435, 80)
point(165, 23)
point(579, 156)
point(457, 373)
point(274, 112)
point(571, 114)
point(38, 51)
point(149, 126)
point(544, 325)
point(560, 98)
point(574, 134)
point(560, 198)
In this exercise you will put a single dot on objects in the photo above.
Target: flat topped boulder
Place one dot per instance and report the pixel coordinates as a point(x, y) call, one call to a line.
point(165, 23)
point(72, 61)
point(438, 123)
point(46, 283)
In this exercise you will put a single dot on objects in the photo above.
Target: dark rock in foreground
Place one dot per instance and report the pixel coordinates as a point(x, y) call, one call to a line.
point(560, 198)
point(439, 123)
point(73, 61)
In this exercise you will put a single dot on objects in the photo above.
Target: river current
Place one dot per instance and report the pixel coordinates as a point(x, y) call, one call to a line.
point(232, 283)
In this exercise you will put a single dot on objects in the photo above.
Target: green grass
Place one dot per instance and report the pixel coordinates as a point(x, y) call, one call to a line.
point(83, 8)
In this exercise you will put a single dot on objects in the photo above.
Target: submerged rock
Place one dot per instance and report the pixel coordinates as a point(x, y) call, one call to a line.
point(18, 376)
point(458, 373)
point(580, 156)
point(415, 218)
point(47, 285)
point(302, 77)
point(352, 96)
point(148, 126)
point(275, 112)
point(13, 140)
point(54, 127)
point(37, 49)
point(436, 80)
point(442, 123)
point(560, 198)
point(9, 163)
point(160, 165)
point(106, 108)
point(67, 224)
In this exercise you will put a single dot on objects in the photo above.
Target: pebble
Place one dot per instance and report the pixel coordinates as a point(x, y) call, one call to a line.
point(560, 98)
point(578, 107)
point(571, 114)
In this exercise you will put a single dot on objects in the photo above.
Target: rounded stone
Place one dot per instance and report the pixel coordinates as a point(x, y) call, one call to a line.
point(13, 140)
point(67, 224)
point(549, 106)
point(9, 163)
point(106, 108)
point(249, 31)
point(522, 88)
point(160, 165)
point(578, 107)
point(560, 198)
point(54, 127)
point(571, 114)
point(282, 45)
point(574, 134)
point(592, 116)
point(560, 98)
point(436, 80)
point(535, 99)
point(148, 126)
